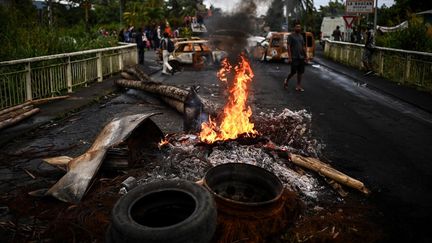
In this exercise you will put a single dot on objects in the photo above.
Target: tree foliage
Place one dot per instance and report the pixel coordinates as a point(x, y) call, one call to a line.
point(414, 38)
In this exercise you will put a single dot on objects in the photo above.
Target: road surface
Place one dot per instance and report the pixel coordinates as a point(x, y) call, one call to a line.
point(366, 133)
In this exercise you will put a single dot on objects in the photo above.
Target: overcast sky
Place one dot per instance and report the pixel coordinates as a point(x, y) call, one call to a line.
point(229, 5)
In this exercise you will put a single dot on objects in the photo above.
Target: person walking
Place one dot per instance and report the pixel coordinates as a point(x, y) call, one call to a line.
point(337, 34)
point(167, 47)
point(296, 56)
point(368, 50)
point(140, 45)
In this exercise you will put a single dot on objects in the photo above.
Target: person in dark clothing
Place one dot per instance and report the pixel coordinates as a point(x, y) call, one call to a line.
point(121, 36)
point(140, 45)
point(368, 50)
point(296, 56)
point(337, 34)
point(156, 39)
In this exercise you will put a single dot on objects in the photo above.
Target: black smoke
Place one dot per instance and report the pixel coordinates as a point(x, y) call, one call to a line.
point(230, 30)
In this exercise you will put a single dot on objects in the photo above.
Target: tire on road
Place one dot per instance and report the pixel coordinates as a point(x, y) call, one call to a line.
point(172, 211)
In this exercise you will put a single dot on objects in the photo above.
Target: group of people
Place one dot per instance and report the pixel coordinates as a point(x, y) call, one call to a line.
point(298, 57)
point(152, 38)
point(147, 38)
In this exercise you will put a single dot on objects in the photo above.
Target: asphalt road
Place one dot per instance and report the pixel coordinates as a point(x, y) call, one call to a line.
point(367, 134)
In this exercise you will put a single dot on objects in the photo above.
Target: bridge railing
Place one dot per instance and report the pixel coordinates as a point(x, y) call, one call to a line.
point(404, 67)
point(48, 76)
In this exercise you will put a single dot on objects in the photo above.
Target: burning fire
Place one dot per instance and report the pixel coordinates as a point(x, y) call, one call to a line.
point(163, 142)
point(236, 114)
point(223, 72)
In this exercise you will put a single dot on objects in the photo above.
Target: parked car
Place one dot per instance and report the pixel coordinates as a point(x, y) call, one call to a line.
point(196, 53)
point(276, 49)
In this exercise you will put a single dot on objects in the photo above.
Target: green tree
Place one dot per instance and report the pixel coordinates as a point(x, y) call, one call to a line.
point(414, 38)
point(335, 8)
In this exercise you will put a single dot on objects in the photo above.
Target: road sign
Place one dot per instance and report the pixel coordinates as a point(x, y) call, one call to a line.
point(359, 6)
point(349, 20)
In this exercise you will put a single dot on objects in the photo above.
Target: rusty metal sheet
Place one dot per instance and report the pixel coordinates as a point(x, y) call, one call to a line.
point(74, 184)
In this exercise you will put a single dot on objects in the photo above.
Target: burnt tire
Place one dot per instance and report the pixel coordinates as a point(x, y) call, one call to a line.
point(172, 211)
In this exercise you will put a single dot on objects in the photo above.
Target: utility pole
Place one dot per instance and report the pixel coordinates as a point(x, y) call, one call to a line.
point(375, 16)
point(122, 5)
point(50, 14)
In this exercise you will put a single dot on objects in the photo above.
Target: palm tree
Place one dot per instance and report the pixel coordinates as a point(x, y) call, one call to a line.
point(135, 14)
point(301, 9)
point(139, 13)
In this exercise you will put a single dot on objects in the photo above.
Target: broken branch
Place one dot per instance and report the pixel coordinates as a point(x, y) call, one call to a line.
point(327, 171)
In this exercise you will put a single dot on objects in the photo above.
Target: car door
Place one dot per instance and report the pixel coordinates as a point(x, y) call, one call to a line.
point(184, 53)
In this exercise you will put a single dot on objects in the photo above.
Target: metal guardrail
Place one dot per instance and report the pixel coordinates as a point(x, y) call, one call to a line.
point(48, 76)
point(404, 67)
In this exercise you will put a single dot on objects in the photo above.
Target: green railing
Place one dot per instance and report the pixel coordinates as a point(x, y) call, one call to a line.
point(404, 67)
point(49, 76)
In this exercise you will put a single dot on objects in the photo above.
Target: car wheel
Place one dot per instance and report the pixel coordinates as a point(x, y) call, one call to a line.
point(174, 211)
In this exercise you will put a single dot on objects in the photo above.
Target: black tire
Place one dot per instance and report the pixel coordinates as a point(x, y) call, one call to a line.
point(174, 211)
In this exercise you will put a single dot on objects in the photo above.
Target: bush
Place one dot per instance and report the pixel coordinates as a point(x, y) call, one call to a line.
point(23, 37)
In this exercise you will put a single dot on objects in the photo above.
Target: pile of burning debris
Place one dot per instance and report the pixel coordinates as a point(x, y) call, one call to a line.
point(281, 144)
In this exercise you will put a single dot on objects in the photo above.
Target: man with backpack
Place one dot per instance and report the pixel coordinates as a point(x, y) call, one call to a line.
point(167, 47)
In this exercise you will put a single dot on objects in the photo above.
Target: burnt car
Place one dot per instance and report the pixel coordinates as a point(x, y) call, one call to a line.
point(275, 48)
point(196, 53)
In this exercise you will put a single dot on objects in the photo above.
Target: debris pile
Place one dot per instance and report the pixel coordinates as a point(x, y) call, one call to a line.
point(290, 128)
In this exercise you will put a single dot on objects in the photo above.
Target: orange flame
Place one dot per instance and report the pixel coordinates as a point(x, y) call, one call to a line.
point(223, 72)
point(163, 142)
point(236, 114)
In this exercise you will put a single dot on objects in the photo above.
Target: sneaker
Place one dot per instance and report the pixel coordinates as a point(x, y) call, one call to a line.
point(299, 89)
point(165, 73)
point(285, 83)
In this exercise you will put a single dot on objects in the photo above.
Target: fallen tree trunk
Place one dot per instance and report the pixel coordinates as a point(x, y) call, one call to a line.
point(15, 113)
point(45, 100)
point(155, 88)
point(170, 94)
point(178, 105)
point(128, 76)
point(139, 73)
point(18, 118)
point(14, 108)
point(327, 171)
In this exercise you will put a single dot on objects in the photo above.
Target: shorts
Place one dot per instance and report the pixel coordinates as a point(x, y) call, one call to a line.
point(297, 66)
point(367, 56)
